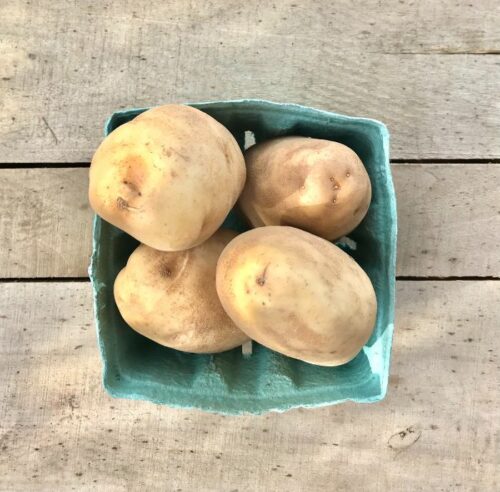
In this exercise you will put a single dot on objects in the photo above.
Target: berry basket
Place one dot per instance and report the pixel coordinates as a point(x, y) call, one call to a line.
point(231, 383)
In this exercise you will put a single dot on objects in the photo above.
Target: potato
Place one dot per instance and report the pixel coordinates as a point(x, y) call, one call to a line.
point(168, 178)
point(316, 185)
point(170, 297)
point(297, 294)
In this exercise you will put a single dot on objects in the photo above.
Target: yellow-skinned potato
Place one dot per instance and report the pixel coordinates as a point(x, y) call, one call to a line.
point(316, 185)
point(168, 178)
point(297, 294)
point(170, 297)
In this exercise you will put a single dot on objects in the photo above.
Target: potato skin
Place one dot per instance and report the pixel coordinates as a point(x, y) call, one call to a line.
point(316, 185)
point(168, 178)
point(297, 294)
point(170, 297)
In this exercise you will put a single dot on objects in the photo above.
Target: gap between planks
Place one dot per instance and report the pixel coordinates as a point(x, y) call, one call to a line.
point(78, 165)
point(400, 278)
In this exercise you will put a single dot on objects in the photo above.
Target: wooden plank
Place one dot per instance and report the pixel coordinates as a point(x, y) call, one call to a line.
point(391, 63)
point(449, 221)
point(438, 428)
point(393, 26)
point(45, 227)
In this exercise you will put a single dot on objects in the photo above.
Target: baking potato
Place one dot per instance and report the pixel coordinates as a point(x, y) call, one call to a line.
point(169, 177)
point(297, 294)
point(170, 297)
point(319, 186)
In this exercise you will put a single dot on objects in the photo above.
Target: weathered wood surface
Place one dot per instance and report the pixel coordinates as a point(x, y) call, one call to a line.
point(449, 221)
point(45, 226)
point(422, 67)
point(438, 428)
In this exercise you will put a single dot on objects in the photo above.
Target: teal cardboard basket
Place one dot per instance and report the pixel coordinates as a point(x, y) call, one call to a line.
point(138, 368)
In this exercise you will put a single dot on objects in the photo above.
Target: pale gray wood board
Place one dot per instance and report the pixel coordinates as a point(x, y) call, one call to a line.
point(67, 66)
point(438, 428)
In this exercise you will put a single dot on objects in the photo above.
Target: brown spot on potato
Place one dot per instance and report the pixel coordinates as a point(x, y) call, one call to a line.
point(335, 183)
point(261, 279)
point(134, 169)
point(132, 187)
point(225, 150)
point(168, 152)
point(168, 266)
point(121, 203)
point(183, 156)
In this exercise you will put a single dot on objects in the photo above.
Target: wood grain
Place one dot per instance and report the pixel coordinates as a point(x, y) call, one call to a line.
point(392, 26)
point(45, 226)
point(68, 65)
point(428, 69)
point(449, 221)
point(438, 428)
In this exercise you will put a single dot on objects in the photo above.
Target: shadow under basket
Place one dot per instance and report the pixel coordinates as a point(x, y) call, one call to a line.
point(229, 383)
